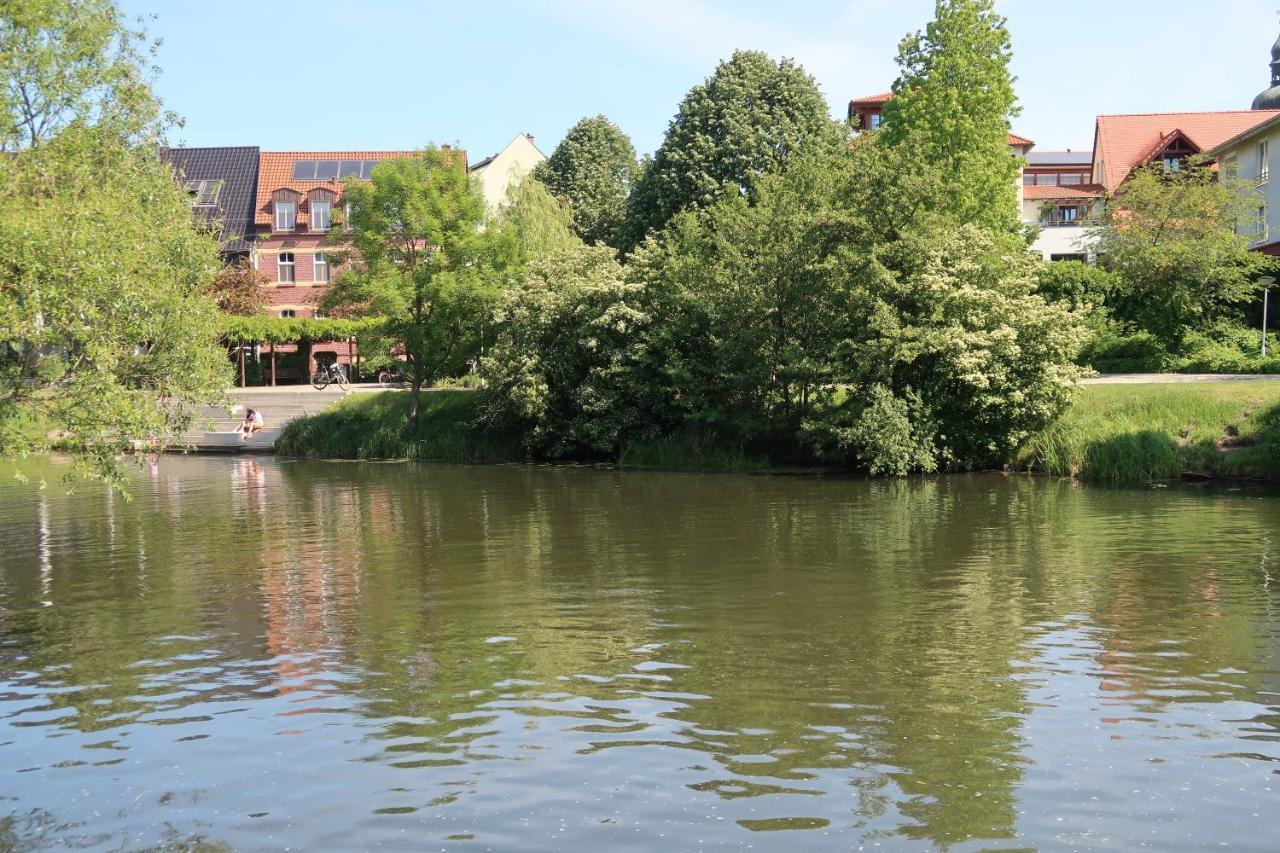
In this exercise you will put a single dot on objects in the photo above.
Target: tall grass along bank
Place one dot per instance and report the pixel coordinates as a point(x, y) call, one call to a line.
point(1144, 433)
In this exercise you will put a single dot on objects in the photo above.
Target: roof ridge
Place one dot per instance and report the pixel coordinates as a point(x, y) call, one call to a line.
point(1186, 113)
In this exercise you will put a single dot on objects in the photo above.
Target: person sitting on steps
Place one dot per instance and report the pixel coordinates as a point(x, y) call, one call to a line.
point(252, 423)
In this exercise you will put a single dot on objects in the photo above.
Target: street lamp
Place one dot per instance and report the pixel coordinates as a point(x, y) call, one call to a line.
point(1266, 281)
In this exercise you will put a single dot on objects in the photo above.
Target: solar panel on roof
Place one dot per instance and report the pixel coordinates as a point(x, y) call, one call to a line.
point(304, 170)
point(367, 167)
point(349, 169)
point(326, 170)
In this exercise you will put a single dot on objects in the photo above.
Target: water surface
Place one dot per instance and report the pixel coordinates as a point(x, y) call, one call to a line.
point(332, 656)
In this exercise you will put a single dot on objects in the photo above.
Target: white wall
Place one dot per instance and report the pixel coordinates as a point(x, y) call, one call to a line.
point(513, 163)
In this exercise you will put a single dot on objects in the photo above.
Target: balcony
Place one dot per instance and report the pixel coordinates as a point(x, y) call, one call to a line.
point(1067, 222)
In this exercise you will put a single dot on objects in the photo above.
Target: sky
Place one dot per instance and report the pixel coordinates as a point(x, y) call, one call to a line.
point(397, 74)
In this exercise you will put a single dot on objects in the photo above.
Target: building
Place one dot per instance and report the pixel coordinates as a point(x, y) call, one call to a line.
point(222, 184)
point(1059, 198)
point(1248, 156)
point(297, 195)
point(498, 172)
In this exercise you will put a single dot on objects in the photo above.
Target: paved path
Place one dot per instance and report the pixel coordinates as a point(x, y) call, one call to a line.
point(1176, 378)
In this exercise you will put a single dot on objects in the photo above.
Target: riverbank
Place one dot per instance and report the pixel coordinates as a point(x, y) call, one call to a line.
point(1113, 433)
point(1143, 433)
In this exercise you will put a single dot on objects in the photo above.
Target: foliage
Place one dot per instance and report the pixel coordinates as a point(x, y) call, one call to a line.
point(282, 330)
point(751, 116)
point(1141, 433)
point(593, 167)
point(754, 299)
point(532, 222)
point(1075, 283)
point(1171, 241)
point(950, 112)
point(73, 62)
point(240, 289)
point(559, 374)
point(948, 321)
point(418, 266)
point(110, 334)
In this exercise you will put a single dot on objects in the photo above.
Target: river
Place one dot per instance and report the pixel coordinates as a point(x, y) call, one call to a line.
point(260, 655)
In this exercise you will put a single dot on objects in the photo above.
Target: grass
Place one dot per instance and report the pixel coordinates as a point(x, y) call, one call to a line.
point(1144, 433)
point(372, 426)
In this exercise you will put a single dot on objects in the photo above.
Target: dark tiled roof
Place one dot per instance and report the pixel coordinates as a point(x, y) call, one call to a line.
point(237, 168)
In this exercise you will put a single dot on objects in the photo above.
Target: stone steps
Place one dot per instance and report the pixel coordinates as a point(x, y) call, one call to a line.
point(278, 408)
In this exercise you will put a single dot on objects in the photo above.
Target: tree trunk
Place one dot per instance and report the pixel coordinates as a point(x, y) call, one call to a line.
point(241, 351)
point(355, 347)
point(415, 394)
point(272, 344)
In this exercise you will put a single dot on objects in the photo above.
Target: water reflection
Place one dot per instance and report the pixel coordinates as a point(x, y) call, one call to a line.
point(257, 653)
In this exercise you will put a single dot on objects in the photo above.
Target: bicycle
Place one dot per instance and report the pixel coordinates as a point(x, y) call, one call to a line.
point(389, 376)
point(330, 374)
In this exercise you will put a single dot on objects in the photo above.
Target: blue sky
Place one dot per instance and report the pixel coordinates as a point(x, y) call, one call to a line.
point(389, 74)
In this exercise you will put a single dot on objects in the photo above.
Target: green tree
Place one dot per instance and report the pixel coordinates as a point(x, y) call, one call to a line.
point(420, 263)
point(951, 109)
point(561, 374)
point(1178, 243)
point(72, 61)
point(593, 167)
point(531, 223)
point(108, 330)
point(749, 117)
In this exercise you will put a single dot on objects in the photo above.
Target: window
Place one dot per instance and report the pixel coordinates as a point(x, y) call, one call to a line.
point(1028, 180)
point(1068, 213)
point(288, 313)
point(322, 268)
point(284, 264)
point(1047, 180)
point(1072, 180)
point(203, 193)
point(286, 215)
point(1060, 258)
point(320, 215)
point(1264, 227)
point(1231, 167)
point(875, 121)
point(1264, 161)
point(1172, 165)
point(346, 216)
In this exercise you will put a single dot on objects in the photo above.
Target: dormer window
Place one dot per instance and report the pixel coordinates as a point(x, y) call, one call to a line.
point(286, 215)
point(320, 211)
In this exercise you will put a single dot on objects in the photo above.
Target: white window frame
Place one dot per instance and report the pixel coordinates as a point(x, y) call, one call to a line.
point(287, 210)
point(1264, 225)
point(327, 207)
point(1264, 162)
point(288, 313)
point(875, 121)
point(282, 264)
point(319, 262)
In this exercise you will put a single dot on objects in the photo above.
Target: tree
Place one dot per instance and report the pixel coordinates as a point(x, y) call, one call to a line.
point(561, 371)
point(1177, 241)
point(749, 117)
point(72, 61)
point(593, 167)
point(108, 331)
point(531, 223)
point(951, 108)
point(754, 298)
point(417, 264)
point(240, 289)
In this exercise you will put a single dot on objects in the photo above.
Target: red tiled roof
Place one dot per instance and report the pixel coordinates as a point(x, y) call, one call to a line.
point(871, 100)
point(275, 172)
point(1122, 142)
point(1081, 191)
point(877, 100)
